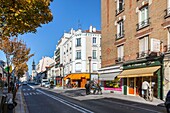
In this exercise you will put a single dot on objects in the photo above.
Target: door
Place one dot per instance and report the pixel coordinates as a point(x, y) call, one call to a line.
point(138, 85)
point(131, 86)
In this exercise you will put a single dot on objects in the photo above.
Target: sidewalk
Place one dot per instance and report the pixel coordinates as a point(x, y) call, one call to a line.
point(83, 96)
point(21, 106)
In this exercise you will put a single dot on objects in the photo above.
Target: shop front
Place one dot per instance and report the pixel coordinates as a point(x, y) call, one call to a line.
point(58, 81)
point(76, 80)
point(135, 73)
point(109, 80)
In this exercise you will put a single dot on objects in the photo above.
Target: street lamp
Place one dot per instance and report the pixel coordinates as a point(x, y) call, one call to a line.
point(89, 58)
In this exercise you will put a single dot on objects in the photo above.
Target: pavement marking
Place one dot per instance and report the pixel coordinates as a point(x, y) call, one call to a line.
point(28, 89)
point(74, 106)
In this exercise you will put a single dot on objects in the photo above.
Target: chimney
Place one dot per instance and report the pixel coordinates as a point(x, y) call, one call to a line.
point(90, 29)
point(94, 29)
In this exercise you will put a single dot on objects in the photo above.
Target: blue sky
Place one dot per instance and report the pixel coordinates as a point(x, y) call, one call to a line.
point(66, 15)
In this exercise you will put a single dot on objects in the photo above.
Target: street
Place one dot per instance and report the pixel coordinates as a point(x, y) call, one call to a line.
point(42, 100)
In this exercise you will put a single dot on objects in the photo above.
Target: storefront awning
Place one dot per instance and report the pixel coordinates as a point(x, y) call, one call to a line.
point(108, 76)
point(149, 71)
point(77, 76)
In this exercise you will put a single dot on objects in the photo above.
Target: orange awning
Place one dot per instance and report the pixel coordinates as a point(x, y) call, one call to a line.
point(77, 76)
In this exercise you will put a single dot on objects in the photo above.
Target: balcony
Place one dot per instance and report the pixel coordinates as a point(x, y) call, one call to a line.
point(120, 35)
point(167, 13)
point(142, 54)
point(120, 9)
point(119, 59)
point(143, 24)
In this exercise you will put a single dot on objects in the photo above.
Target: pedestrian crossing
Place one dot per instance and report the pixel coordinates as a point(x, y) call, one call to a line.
point(30, 92)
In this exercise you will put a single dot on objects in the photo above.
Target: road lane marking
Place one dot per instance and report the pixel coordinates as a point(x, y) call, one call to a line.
point(77, 107)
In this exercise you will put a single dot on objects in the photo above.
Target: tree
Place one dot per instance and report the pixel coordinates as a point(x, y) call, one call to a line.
point(23, 16)
point(17, 54)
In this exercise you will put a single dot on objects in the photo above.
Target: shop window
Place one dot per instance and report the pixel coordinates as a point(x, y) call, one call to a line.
point(131, 82)
point(116, 83)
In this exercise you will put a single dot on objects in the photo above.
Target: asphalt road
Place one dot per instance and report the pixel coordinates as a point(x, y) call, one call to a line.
point(40, 100)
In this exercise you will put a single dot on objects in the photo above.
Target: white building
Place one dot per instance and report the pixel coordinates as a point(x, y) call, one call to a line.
point(73, 50)
point(78, 48)
point(43, 64)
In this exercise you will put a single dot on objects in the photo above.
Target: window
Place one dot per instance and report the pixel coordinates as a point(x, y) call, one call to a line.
point(120, 30)
point(78, 67)
point(120, 53)
point(94, 67)
point(78, 42)
point(94, 40)
point(143, 46)
point(168, 9)
point(168, 39)
point(143, 18)
point(94, 54)
point(78, 54)
point(120, 6)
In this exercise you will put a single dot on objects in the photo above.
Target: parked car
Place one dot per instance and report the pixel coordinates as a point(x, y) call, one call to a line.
point(43, 82)
point(167, 102)
point(47, 85)
point(24, 83)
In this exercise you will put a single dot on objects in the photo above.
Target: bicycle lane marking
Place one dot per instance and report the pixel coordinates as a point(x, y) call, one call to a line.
point(72, 105)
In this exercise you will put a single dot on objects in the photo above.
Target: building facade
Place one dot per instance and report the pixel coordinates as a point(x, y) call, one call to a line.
point(75, 53)
point(135, 34)
point(41, 68)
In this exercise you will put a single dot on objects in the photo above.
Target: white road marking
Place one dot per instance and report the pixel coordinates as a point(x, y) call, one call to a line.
point(28, 89)
point(77, 107)
point(23, 89)
point(30, 93)
point(26, 94)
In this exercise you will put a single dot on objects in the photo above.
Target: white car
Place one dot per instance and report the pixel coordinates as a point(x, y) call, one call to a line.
point(47, 85)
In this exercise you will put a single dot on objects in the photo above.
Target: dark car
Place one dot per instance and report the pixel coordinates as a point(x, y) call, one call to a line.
point(167, 102)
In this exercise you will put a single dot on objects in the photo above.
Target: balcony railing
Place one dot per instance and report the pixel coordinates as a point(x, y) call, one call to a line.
point(143, 24)
point(119, 35)
point(120, 9)
point(142, 54)
point(119, 59)
point(167, 12)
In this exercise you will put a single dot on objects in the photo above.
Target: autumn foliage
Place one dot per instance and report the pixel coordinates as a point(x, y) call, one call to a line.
point(23, 16)
point(16, 53)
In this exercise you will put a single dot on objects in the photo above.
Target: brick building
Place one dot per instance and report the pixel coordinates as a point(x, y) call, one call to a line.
point(135, 35)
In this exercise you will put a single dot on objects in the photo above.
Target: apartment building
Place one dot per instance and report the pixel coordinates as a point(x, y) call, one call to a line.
point(76, 51)
point(135, 35)
point(58, 56)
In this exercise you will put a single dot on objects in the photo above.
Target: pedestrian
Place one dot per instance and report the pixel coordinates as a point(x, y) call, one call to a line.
point(99, 90)
point(145, 89)
point(87, 86)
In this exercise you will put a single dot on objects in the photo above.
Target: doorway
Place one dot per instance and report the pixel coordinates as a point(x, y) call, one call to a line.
point(131, 86)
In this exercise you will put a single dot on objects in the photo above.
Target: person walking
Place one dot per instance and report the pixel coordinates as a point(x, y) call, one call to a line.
point(145, 89)
point(87, 86)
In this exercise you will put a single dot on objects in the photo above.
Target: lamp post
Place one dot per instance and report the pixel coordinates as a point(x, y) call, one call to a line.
point(89, 58)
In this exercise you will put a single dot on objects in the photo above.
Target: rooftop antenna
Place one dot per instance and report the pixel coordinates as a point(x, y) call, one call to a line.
point(79, 24)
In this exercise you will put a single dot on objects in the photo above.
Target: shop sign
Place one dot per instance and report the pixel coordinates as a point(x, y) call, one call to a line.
point(143, 64)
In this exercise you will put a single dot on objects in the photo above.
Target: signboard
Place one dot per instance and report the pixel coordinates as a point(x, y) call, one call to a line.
point(95, 77)
point(155, 45)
